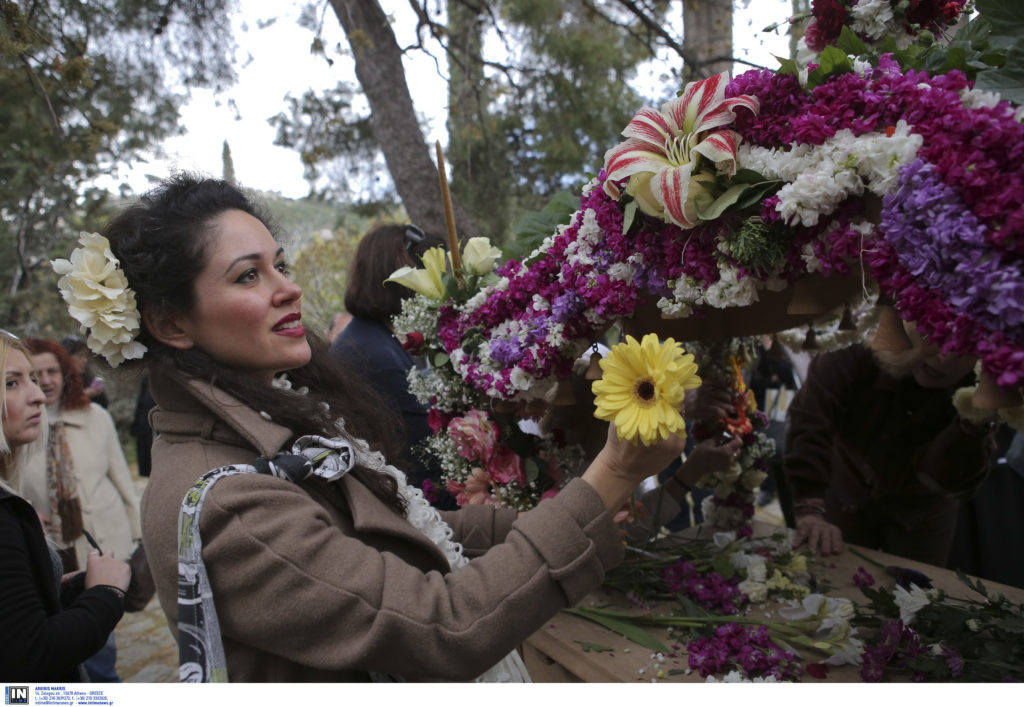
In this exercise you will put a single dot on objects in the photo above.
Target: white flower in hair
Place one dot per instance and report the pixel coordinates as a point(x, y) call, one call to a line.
point(99, 298)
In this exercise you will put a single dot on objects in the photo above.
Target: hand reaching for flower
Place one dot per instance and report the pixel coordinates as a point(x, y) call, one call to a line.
point(709, 403)
point(820, 535)
point(621, 466)
point(708, 457)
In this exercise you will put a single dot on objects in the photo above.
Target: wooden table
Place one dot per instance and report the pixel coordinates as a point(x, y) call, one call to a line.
point(556, 653)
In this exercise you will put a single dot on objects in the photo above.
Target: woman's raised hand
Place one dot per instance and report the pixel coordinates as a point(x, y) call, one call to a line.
point(106, 570)
point(621, 465)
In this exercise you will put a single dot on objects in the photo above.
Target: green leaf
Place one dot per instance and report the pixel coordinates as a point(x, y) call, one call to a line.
point(833, 62)
point(1007, 80)
point(976, 31)
point(1011, 624)
point(850, 43)
point(787, 66)
point(1005, 16)
point(623, 628)
point(592, 647)
point(757, 192)
point(747, 176)
point(719, 205)
point(723, 566)
point(440, 359)
point(629, 215)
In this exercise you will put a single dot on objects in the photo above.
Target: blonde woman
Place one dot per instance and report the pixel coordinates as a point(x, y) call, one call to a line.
point(83, 482)
point(50, 624)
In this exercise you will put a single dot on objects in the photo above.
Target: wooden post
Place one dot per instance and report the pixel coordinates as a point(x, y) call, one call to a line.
point(449, 215)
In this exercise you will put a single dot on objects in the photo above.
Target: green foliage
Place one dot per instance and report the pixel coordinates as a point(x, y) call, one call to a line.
point(531, 228)
point(1006, 20)
point(321, 269)
point(340, 153)
point(758, 245)
point(85, 88)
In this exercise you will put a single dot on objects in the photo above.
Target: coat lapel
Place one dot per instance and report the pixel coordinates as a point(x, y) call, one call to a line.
point(368, 513)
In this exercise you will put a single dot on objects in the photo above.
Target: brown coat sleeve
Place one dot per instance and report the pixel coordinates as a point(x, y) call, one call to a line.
point(478, 527)
point(288, 581)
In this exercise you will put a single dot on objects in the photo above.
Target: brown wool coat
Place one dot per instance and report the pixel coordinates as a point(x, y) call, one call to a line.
point(325, 583)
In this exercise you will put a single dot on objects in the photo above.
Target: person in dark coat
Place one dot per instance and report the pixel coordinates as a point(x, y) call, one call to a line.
point(368, 347)
point(876, 453)
point(50, 623)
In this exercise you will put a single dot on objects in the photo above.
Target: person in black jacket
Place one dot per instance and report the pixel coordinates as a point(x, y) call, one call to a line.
point(368, 347)
point(50, 623)
point(876, 453)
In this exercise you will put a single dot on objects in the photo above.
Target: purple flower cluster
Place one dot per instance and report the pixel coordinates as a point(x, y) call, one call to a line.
point(954, 230)
point(709, 590)
point(895, 645)
point(947, 248)
point(748, 649)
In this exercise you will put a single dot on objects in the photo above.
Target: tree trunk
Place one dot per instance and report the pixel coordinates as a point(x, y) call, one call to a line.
point(476, 149)
point(378, 61)
point(707, 37)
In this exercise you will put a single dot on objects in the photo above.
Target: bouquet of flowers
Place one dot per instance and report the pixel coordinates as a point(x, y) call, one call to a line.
point(929, 635)
point(487, 458)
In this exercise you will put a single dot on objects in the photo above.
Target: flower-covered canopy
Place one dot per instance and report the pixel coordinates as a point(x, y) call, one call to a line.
point(877, 156)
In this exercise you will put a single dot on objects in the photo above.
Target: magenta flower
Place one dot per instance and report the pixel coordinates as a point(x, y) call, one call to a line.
point(862, 578)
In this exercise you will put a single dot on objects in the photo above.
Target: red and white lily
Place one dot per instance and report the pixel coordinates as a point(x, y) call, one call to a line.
point(663, 150)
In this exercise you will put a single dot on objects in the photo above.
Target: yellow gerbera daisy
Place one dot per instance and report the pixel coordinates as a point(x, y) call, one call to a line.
point(642, 388)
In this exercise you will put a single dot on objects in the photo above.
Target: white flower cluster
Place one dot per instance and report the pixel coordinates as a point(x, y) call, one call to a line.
point(973, 98)
point(910, 601)
point(98, 297)
point(820, 177)
point(833, 632)
point(876, 20)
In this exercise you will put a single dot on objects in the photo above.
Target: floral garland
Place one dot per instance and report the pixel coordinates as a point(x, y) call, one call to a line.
point(486, 456)
point(731, 504)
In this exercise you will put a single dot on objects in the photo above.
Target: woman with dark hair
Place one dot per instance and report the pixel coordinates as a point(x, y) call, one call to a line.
point(304, 555)
point(367, 346)
point(83, 483)
point(50, 621)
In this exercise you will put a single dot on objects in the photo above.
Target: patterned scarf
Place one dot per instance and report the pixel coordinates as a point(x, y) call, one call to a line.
point(65, 509)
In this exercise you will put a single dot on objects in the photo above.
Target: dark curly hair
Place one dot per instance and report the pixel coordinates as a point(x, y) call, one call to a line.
point(162, 242)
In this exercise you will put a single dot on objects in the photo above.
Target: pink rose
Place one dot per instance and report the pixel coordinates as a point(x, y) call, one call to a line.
point(550, 493)
point(474, 435)
point(506, 467)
